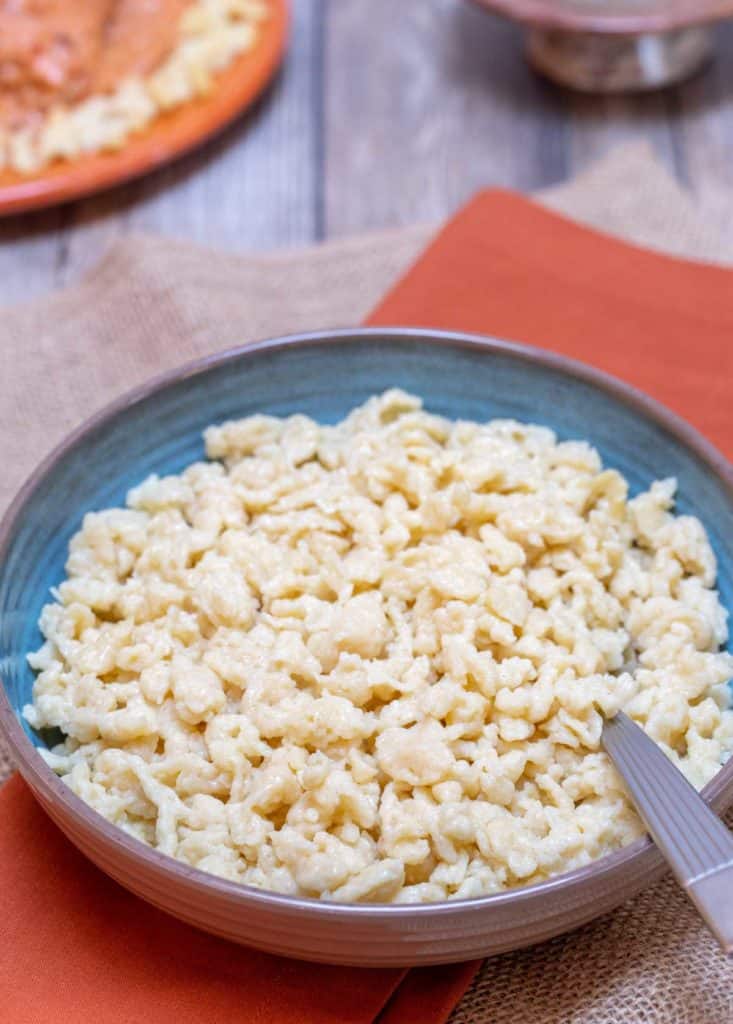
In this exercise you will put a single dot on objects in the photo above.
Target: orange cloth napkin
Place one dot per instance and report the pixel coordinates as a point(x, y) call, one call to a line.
point(507, 267)
point(73, 944)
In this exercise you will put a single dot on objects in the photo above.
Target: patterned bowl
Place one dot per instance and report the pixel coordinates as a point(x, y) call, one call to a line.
point(158, 429)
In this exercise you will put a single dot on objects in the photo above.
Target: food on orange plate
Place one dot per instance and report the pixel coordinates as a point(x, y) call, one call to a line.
point(79, 77)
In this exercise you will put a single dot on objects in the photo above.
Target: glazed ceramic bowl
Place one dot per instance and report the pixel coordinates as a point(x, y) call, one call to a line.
point(616, 45)
point(158, 429)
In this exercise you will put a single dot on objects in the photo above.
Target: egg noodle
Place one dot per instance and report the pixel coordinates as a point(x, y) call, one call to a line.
point(368, 661)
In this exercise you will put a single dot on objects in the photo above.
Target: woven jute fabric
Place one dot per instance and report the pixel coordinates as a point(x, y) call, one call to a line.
point(649, 962)
point(153, 304)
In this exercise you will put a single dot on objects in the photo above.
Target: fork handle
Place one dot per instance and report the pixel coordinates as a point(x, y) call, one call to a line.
point(692, 839)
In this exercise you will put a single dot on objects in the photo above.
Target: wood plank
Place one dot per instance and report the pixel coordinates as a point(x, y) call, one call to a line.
point(254, 187)
point(31, 251)
point(427, 101)
point(598, 124)
point(704, 114)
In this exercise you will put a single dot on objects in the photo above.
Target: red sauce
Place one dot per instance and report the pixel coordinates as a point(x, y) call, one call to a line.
point(60, 51)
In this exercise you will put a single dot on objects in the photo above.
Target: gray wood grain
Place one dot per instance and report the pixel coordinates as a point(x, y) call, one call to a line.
point(427, 101)
point(598, 124)
point(703, 114)
point(31, 252)
point(386, 113)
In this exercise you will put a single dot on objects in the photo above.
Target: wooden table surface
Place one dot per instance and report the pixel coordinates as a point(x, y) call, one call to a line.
point(387, 112)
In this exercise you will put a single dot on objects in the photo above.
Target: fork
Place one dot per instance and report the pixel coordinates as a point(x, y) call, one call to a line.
point(692, 839)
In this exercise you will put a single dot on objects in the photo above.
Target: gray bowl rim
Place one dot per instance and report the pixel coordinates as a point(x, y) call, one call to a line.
point(618, 21)
point(641, 852)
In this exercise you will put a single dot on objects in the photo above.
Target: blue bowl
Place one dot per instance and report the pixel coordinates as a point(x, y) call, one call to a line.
point(158, 429)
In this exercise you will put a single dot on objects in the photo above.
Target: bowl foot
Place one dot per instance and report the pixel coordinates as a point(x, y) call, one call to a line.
point(599, 62)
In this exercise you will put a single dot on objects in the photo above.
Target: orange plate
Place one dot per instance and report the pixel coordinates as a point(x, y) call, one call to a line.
point(168, 136)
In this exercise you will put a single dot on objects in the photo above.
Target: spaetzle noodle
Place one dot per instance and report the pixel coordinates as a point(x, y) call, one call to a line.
point(370, 661)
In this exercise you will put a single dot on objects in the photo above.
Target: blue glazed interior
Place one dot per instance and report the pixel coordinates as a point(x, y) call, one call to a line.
point(162, 434)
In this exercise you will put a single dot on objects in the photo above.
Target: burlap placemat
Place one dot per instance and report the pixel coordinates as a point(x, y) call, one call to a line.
point(152, 304)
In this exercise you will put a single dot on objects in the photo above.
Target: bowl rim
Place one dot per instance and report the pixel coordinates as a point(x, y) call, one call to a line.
point(547, 14)
point(168, 137)
point(49, 787)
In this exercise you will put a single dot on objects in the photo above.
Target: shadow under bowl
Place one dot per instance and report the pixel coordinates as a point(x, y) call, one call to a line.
point(157, 429)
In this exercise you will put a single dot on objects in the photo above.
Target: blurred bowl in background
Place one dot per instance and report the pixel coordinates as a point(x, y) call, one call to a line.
point(616, 46)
